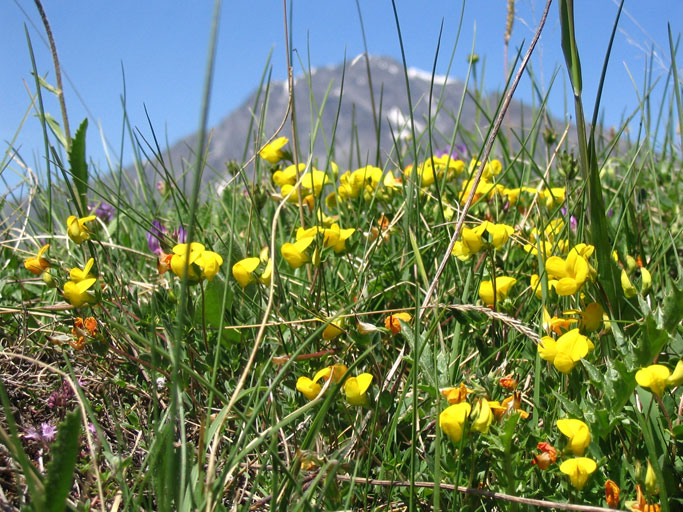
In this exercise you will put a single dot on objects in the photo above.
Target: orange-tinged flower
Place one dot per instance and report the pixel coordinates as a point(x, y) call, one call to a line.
point(511, 404)
point(612, 494)
point(37, 264)
point(392, 321)
point(452, 420)
point(457, 394)
point(164, 263)
point(555, 324)
point(508, 382)
point(547, 456)
point(578, 469)
point(578, 433)
point(641, 505)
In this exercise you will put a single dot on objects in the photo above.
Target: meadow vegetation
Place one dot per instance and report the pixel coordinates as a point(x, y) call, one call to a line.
point(465, 327)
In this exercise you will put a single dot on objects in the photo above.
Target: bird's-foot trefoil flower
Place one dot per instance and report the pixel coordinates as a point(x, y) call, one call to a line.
point(452, 420)
point(393, 321)
point(578, 469)
point(567, 351)
point(77, 229)
point(577, 432)
point(37, 264)
point(503, 285)
point(273, 152)
point(356, 389)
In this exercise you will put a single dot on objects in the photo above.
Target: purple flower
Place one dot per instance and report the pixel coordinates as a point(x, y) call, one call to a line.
point(573, 223)
point(458, 152)
point(48, 432)
point(45, 435)
point(61, 396)
point(104, 211)
point(180, 235)
point(155, 237)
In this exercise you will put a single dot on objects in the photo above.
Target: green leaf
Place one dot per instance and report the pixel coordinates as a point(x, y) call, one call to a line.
point(56, 129)
point(45, 85)
point(213, 302)
point(60, 469)
point(672, 308)
point(571, 52)
point(651, 341)
point(79, 166)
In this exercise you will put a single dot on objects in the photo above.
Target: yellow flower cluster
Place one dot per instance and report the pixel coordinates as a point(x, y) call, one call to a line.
point(355, 388)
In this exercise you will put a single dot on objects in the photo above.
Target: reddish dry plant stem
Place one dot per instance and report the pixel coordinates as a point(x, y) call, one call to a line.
point(450, 487)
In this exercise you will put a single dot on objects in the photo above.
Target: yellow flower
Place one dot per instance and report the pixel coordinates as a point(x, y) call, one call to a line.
point(629, 289)
point(553, 195)
point(288, 175)
point(210, 263)
point(482, 416)
point(578, 433)
point(77, 275)
point(203, 264)
point(571, 273)
point(309, 388)
point(334, 372)
point(332, 330)
point(76, 228)
point(243, 270)
point(77, 292)
point(655, 377)
point(37, 264)
point(503, 285)
point(273, 151)
point(676, 378)
point(180, 256)
point(591, 317)
point(566, 351)
point(295, 253)
point(356, 388)
point(578, 469)
point(452, 420)
point(651, 485)
point(500, 233)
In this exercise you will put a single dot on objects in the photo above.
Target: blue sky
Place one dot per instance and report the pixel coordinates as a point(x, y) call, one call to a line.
point(161, 45)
